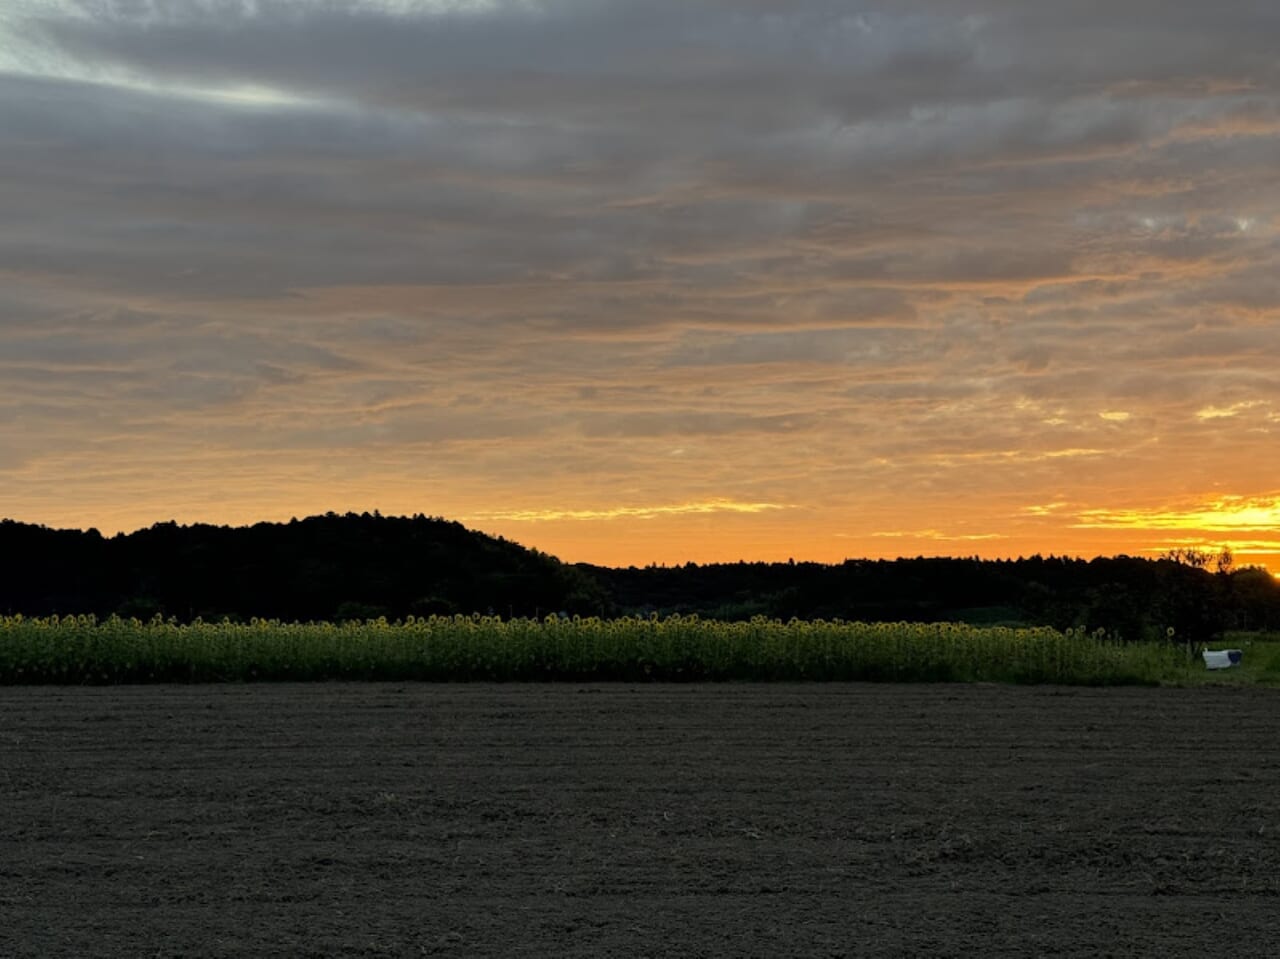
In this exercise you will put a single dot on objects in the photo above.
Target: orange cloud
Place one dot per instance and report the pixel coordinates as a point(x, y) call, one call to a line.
point(1226, 513)
point(628, 512)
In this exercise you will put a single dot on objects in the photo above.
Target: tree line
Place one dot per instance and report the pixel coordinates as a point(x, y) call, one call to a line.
point(358, 566)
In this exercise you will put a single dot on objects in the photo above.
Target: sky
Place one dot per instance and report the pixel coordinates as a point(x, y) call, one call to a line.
point(649, 282)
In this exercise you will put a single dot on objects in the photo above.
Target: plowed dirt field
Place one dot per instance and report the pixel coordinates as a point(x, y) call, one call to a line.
point(560, 820)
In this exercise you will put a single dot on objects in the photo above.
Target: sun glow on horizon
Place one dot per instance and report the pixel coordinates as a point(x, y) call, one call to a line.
point(1223, 513)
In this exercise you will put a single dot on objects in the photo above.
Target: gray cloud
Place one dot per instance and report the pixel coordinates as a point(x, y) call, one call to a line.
point(693, 422)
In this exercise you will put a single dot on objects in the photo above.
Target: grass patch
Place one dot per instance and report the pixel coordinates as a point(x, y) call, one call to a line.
point(1260, 665)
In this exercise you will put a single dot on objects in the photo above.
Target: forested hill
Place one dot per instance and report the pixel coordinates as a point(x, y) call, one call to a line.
point(320, 568)
point(1132, 597)
point(335, 567)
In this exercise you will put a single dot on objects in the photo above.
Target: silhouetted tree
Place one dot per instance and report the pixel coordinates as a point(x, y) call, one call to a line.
point(366, 565)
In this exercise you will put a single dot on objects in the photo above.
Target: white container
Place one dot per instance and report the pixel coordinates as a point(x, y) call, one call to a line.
point(1222, 658)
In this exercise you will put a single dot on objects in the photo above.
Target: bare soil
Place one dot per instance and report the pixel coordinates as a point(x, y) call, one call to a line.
point(700, 820)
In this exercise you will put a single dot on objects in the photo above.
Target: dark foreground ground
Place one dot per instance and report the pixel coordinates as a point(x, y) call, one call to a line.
point(752, 820)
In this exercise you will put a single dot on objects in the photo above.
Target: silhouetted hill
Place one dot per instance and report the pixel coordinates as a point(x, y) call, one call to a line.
point(323, 567)
point(361, 565)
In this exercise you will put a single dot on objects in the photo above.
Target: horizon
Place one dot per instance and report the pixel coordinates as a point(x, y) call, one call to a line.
point(649, 282)
point(1210, 554)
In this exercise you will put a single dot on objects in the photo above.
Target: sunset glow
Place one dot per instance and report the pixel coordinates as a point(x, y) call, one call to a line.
point(651, 282)
point(1227, 514)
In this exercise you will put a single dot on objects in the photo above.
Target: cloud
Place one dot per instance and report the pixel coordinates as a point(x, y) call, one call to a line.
point(1254, 547)
point(938, 535)
point(1225, 412)
point(1223, 514)
point(629, 512)
point(693, 422)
